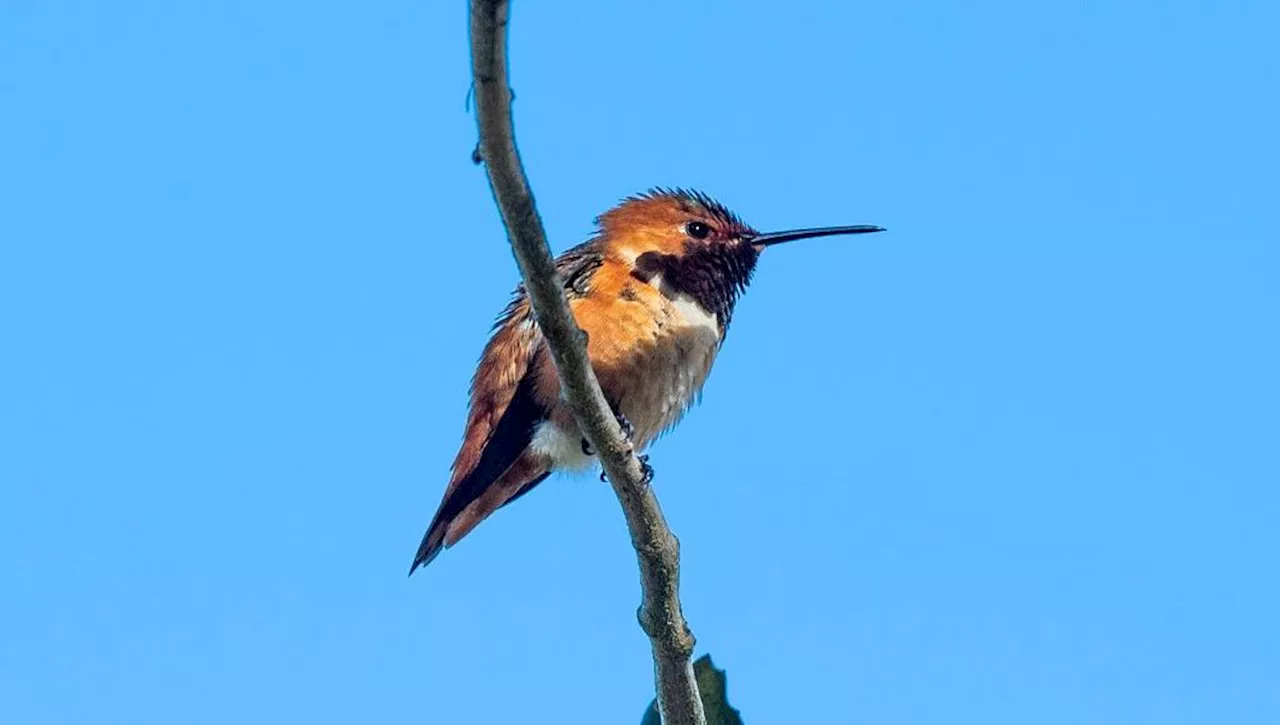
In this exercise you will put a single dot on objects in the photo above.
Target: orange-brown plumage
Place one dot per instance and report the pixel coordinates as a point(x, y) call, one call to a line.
point(654, 290)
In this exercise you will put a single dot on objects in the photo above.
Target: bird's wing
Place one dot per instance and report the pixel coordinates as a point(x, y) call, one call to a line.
point(502, 395)
point(504, 410)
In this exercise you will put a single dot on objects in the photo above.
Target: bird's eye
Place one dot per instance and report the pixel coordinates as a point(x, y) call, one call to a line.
point(697, 230)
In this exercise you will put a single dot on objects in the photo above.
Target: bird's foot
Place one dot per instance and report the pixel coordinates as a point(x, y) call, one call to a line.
point(646, 471)
point(628, 430)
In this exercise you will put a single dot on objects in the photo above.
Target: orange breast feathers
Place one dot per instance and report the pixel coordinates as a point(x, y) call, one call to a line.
point(651, 352)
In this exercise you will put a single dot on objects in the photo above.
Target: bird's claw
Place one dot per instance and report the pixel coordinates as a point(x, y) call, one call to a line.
point(646, 471)
point(628, 430)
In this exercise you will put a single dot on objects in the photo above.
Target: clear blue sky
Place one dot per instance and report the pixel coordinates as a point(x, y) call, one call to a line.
point(1014, 461)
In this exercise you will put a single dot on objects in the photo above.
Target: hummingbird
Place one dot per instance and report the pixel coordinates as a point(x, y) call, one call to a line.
point(654, 290)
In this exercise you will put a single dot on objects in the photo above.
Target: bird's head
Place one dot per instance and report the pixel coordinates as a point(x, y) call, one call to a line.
point(693, 244)
point(679, 222)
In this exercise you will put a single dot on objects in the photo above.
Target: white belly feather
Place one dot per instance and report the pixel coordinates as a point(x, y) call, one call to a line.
point(678, 373)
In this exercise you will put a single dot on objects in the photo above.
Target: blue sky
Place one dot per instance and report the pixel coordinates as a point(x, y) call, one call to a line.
point(1014, 461)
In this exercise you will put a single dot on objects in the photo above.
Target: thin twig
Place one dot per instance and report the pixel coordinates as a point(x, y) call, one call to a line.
point(656, 547)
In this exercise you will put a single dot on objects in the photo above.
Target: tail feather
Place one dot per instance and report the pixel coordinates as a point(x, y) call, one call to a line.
point(431, 546)
point(457, 516)
point(503, 470)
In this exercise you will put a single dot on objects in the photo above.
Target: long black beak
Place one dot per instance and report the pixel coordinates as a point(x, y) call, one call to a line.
point(767, 240)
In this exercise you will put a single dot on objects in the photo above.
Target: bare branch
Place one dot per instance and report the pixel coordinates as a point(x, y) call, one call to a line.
point(656, 547)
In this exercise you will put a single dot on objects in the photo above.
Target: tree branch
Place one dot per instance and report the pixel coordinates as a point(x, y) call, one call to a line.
point(656, 547)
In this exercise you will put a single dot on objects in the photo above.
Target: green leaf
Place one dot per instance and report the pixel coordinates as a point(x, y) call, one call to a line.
point(713, 688)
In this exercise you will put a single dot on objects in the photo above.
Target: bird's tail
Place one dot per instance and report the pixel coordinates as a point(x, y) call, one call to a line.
point(472, 501)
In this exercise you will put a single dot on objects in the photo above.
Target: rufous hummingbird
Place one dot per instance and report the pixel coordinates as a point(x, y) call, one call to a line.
point(654, 290)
